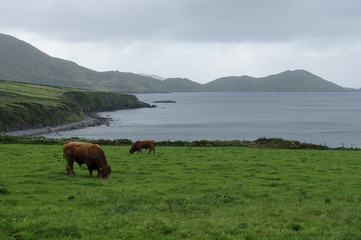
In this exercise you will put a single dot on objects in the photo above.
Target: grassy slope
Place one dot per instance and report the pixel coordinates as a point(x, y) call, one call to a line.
point(182, 193)
point(31, 91)
point(24, 105)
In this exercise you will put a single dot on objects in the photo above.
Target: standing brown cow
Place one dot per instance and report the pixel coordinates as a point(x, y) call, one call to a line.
point(139, 145)
point(90, 154)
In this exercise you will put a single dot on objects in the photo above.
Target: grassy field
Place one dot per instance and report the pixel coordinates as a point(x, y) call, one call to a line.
point(182, 193)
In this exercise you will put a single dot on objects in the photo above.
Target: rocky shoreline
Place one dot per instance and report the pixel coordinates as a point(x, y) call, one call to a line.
point(92, 121)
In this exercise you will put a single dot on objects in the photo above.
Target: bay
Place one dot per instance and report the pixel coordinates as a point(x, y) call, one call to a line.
point(332, 119)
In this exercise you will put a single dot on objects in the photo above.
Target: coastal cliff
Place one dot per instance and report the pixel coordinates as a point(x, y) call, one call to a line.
point(27, 106)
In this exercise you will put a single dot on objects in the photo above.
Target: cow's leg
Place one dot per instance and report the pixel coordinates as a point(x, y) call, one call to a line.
point(98, 173)
point(69, 167)
point(90, 172)
point(89, 164)
point(90, 168)
point(154, 150)
point(150, 150)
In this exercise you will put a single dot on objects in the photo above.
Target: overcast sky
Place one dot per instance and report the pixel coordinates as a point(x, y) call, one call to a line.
point(197, 39)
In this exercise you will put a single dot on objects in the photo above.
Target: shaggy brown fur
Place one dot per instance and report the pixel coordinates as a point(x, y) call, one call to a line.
point(144, 144)
point(90, 154)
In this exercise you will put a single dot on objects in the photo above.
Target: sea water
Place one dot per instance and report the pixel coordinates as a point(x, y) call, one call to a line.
point(333, 119)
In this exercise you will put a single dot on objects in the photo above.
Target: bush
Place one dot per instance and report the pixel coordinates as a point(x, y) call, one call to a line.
point(261, 142)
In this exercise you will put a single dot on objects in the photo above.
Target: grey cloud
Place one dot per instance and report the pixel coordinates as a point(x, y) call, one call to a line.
point(185, 20)
point(198, 39)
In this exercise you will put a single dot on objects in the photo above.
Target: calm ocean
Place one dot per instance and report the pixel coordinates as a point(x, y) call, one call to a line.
point(321, 118)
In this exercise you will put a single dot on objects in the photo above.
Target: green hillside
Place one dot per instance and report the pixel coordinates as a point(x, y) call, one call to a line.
point(129, 82)
point(19, 61)
point(24, 105)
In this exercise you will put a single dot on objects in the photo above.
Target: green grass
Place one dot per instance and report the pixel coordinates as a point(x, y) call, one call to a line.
point(182, 193)
point(15, 94)
point(32, 90)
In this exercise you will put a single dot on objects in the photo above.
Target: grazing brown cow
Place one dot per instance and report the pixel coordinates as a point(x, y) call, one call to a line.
point(139, 145)
point(90, 154)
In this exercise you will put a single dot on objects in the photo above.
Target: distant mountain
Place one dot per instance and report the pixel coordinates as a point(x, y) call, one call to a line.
point(182, 85)
point(152, 76)
point(19, 61)
point(288, 81)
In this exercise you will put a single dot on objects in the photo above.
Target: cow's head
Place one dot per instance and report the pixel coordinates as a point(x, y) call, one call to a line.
point(105, 171)
point(131, 150)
